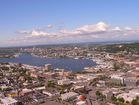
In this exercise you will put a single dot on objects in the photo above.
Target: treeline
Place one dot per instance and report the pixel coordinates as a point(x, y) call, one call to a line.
point(133, 47)
point(8, 51)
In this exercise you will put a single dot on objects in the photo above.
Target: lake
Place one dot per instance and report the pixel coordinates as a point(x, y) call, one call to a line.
point(61, 63)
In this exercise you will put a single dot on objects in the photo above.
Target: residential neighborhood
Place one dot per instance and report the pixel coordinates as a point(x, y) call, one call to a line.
point(114, 80)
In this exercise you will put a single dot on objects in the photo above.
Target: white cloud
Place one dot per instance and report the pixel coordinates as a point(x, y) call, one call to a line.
point(93, 32)
point(35, 33)
point(117, 29)
point(50, 26)
point(99, 27)
point(128, 28)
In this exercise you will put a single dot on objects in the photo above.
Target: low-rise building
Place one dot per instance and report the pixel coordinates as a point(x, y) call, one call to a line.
point(117, 79)
point(131, 81)
point(51, 93)
point(108, 93)
point(69, 96)
point(86, 76)
point(81, 103)
point(8, 101)
point(64, 82)
point(101, 83)
point(129, 96)
point(78, 87)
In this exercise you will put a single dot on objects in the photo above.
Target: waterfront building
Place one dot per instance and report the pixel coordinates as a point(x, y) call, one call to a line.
point(48, 67)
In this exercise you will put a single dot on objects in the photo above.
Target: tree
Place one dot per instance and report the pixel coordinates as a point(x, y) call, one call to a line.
point(116, 66)
point(94, 82)
point(98, 93)
point(135, 102)
point(113, 98)
point(121, 100)
point(51, 84)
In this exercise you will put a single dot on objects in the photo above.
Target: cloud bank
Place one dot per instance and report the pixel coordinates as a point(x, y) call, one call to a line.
point(93, 32)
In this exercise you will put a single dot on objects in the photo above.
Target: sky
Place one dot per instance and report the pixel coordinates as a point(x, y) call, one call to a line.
point(31, 22)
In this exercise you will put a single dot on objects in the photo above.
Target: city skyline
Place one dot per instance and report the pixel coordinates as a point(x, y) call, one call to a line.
point(53, 22)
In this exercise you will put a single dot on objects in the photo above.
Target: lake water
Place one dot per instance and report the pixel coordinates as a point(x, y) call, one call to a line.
point(62, 63)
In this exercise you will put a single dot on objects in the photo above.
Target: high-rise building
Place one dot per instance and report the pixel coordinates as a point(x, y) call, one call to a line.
point(48, 67)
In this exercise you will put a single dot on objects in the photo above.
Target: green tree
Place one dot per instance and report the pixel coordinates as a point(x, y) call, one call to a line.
point(116, 66)
point(98, 93)
point(51, 84)
point(121, 100)
point(94, 82)
point(114, 99)
point(135, 102)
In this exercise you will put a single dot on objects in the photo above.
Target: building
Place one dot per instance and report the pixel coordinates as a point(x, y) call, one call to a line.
point(130, 96)
point(62, 72)
point(64, 82)
point(49, 75)
point(51, 93)
point(26, 91)
point(127, 96)
point(48, 67)
point(108, 93)
point(131, 81)
point(78, 87)
point(134, 91)
point(39, 88)
point(34, 75)
point(69, 96)
point(8, 101)
point(81, 103)
point(101, 83)
point(86, 77)
point(117, 79)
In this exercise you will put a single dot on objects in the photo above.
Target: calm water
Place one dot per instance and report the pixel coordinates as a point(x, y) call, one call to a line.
point(64, 63)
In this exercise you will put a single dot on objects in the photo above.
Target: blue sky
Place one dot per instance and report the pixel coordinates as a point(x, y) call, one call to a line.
point(20, 18)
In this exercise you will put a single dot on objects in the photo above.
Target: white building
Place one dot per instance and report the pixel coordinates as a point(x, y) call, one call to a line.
point(134, 91)
point(51, 94)
point(131, 81)
point(117, 79)
point(81, 103)
point(131, 95)
point(69, 96)
point(101, 83)
point(48, 67)
point(86, 76)
point(64, 82)
point(39, 88)
point(108, 93)
point(127, 96)
point(8, 101)
point(78, 87)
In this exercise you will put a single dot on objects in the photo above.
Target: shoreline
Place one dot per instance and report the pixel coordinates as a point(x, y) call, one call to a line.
point(55, 62)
